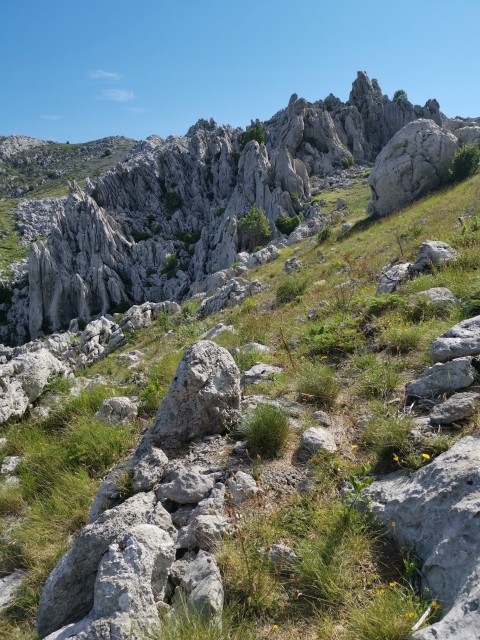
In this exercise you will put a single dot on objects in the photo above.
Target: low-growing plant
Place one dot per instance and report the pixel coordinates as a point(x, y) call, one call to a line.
point(377, 378)
point(254, 133)
point(389, 439)
point(287, 224)
point(324, 234)
point(170, 267)
point(333, 341)
point(402, 338)
point(171, 202)
point(291, 289)
point(315, 383)
point(465, 162)
point(267, 430)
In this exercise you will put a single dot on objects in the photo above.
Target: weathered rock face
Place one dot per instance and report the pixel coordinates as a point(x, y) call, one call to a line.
point(166, 217)
point(203, 399)
point(415, 161)
point(68, 594)
point(443, 378)
point(463, 339)
point(23, 379)
point(435, 511)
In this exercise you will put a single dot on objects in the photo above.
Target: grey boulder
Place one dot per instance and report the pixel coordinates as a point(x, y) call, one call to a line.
point(117, 410)
point(457, 407)
point(463, 339)
point(261, 373)
point(314, 440)
point(203, 399)
point(439, 296)
point(241, 487)
point(68, 594)
point(433, 253)
point(435, 511)
point(443, 378)
point(415, 161)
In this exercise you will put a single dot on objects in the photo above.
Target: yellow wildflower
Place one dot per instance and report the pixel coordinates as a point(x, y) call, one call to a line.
point(426, 456)
point(395, 458)
point(354, 446)
point(393, 584)
point(409, 614)
point(275, 627)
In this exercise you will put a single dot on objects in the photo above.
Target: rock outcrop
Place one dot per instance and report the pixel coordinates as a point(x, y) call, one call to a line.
point(23, 379)
point(121, 568)
point(203, 399)
point(157, 224)
point(435, 511)
point(415, 161)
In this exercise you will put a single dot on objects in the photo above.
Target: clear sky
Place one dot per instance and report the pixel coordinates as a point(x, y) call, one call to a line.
point(81, 70)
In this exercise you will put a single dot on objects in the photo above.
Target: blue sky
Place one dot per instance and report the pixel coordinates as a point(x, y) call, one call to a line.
point(83, 70)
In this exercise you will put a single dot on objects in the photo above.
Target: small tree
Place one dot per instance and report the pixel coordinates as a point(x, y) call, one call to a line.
point(400, 96)
point(254, 228)
point(254, 133)
point(465, 162)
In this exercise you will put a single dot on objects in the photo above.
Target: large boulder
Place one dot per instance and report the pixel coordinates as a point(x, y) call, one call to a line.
point(68, 595)
point(203, 399)
point(443, 378)
point(413, 163)
point(23, 379)
point(463, 339)
point(435, 511)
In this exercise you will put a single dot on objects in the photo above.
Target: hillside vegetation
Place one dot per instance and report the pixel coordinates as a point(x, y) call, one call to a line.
point(342, 350)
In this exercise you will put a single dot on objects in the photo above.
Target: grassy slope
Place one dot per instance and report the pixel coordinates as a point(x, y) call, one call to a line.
point(342, 589)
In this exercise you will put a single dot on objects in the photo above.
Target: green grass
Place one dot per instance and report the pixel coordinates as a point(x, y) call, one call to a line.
point(266, 431)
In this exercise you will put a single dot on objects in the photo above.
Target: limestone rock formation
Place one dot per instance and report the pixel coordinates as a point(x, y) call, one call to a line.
point(157, 224)
point(443, 378)
point(203, 399)
point(415, 161)
point(463, 339)
point(435, 511)
point(23, 379)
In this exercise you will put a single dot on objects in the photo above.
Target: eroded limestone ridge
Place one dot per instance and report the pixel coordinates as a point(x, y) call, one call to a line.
point(166, 217)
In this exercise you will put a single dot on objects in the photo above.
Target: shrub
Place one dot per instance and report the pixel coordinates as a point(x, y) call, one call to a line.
point(324, 234)
point(291, 289)
point(286, 225)
point(465, 162)
point(138, 236)
point(170, 268)
point(188, 238)
point(254, 227)
point(377, 379)
point(347, 161)
point(254, 133)
point(400, 96)
point(315, 383)
point(171, 202)
point(266, 431)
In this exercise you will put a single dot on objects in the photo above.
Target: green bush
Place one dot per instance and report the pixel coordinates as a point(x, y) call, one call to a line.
point(254, 133)
point(171, 267)
point(266, 431)
point(315, 383)
point(402, 338)
point(400, 96)
point(291, 289)
point(286, 225)
point(188, 238)
point(347, 161)
point(171, 202)
point(324, 234)
point(465, 162)
point(254, 228)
